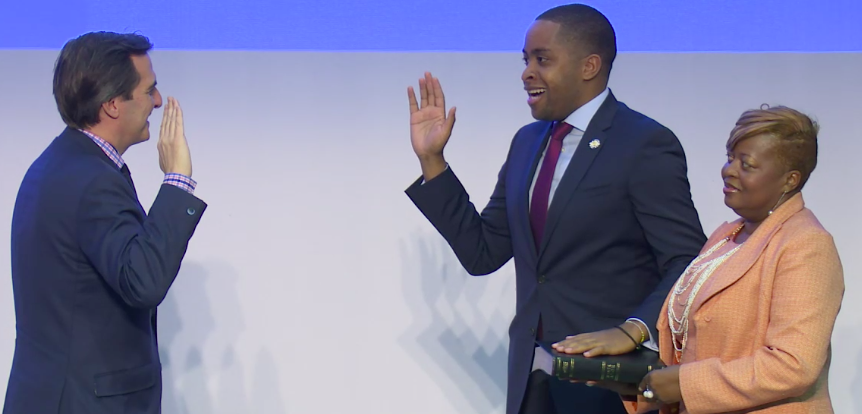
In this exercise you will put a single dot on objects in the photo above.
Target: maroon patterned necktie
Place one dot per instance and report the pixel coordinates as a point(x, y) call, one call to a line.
point(542, 188)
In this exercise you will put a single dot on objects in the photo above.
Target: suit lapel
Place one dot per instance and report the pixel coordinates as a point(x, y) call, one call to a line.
point(738, 265)
point(127, 174)
point(579, 165)
point(87, 144)
point(526, 181)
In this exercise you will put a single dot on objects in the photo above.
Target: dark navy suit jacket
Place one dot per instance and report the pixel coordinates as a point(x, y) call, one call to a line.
point(89, 268)
point(621, 228)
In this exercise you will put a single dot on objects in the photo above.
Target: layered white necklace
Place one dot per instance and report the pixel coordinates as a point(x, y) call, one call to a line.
point(697, 273)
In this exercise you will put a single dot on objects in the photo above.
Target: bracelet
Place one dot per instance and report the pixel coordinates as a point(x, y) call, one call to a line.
point(637, 325)
point(637, 345)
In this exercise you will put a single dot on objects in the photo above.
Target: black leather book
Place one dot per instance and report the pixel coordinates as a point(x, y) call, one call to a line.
point(628, 368)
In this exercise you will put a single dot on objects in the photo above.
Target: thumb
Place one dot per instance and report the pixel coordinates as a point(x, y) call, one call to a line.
point(450, 120)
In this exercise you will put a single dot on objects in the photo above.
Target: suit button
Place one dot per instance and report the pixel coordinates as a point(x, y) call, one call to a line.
point(532, 331)
point(190, 211)
point(542, 279)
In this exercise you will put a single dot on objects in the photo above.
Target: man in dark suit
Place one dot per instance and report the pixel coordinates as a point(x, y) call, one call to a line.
point(89, 265)
point(593, 202)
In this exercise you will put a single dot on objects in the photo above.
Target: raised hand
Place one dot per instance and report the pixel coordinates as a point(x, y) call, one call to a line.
point(174, 156)
point(430, 127)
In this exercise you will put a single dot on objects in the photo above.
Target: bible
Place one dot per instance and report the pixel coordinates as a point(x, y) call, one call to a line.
point(628, 368)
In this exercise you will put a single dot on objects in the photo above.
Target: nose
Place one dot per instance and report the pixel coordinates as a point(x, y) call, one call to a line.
point(729, 169)
point(527, 74)
point(157, 99)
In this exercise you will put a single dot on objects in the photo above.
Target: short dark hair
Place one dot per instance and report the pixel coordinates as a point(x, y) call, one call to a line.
point(587, 26)
point(93, 69)
point(795, 134)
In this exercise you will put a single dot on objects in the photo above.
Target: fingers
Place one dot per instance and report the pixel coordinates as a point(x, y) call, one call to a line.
point(587, 346)
point(179, 110)
point(575, 344)
point(164, 125)
point(178, 120)
point(644, 386)
point(596, 351)
point(429, 83)
point(430, 93)
point(450, 120)
point(439, 99)
point(172, 118)
point(411, 98)
point(423, 93)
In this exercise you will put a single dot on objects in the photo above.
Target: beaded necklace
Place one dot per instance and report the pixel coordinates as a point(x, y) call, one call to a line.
point(697, 273)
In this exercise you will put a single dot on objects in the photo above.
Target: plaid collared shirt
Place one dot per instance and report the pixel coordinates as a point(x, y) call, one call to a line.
point(179, 180)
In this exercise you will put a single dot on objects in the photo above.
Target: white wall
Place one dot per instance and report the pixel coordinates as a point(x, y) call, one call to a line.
point(313, 285)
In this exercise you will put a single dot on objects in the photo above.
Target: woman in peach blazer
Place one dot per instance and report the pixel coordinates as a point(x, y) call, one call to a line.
point(747, 327)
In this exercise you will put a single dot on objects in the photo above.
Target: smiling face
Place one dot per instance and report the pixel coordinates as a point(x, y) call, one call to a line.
point(755, 178)
point(554, 77)
point(134, 113)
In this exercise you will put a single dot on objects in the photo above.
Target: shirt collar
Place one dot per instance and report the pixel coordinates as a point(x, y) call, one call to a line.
point(106, 146)
point(582, 116)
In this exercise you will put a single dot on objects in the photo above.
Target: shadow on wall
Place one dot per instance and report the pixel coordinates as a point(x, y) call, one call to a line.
point(845, 389)
point(856, 383)
point(456, 319)
point(200, 322)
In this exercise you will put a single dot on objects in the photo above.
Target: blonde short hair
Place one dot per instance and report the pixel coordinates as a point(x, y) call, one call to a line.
point(795, 134)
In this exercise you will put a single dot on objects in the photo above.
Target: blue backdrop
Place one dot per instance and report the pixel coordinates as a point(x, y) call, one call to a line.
point(445, 25)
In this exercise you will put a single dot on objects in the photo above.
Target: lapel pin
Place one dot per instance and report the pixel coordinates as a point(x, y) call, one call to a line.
point(595, 144)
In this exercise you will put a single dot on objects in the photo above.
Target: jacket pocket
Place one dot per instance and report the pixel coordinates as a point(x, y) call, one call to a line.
point(595, 190)
point(126, 381)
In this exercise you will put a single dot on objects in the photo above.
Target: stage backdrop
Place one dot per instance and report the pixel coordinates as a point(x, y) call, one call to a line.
point(313, 285)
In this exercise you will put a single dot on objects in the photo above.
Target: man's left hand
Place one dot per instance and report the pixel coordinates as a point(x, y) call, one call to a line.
point(607, 342)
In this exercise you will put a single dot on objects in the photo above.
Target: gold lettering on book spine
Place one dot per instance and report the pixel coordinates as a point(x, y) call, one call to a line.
point(604, 364)
point(610, 371)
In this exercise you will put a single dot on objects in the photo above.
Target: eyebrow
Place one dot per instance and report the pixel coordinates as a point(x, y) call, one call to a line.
point(537, 50)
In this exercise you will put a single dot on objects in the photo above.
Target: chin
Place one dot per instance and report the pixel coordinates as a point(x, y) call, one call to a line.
point(142, 138)
point(540, 115)
point(728, 201)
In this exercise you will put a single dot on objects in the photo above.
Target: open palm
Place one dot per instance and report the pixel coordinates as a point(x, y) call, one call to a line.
point(430, 127)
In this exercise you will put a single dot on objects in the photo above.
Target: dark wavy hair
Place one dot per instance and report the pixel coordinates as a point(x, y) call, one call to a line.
point(93, 69)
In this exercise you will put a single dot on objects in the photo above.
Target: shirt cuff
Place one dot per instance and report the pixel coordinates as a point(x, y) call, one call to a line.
point(181, 181)
point(650, 343)
point(423, 178)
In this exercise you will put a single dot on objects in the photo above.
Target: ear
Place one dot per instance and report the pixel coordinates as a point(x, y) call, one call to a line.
point(592, 66)
point(111, 108)
point(791, 181)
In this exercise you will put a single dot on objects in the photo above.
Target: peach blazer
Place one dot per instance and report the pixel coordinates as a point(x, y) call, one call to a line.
point(759, 333)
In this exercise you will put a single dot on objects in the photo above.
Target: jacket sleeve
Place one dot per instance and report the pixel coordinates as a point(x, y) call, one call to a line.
point(806, 296)
point(481, 242)
point(661, 196)
point(138, 256)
